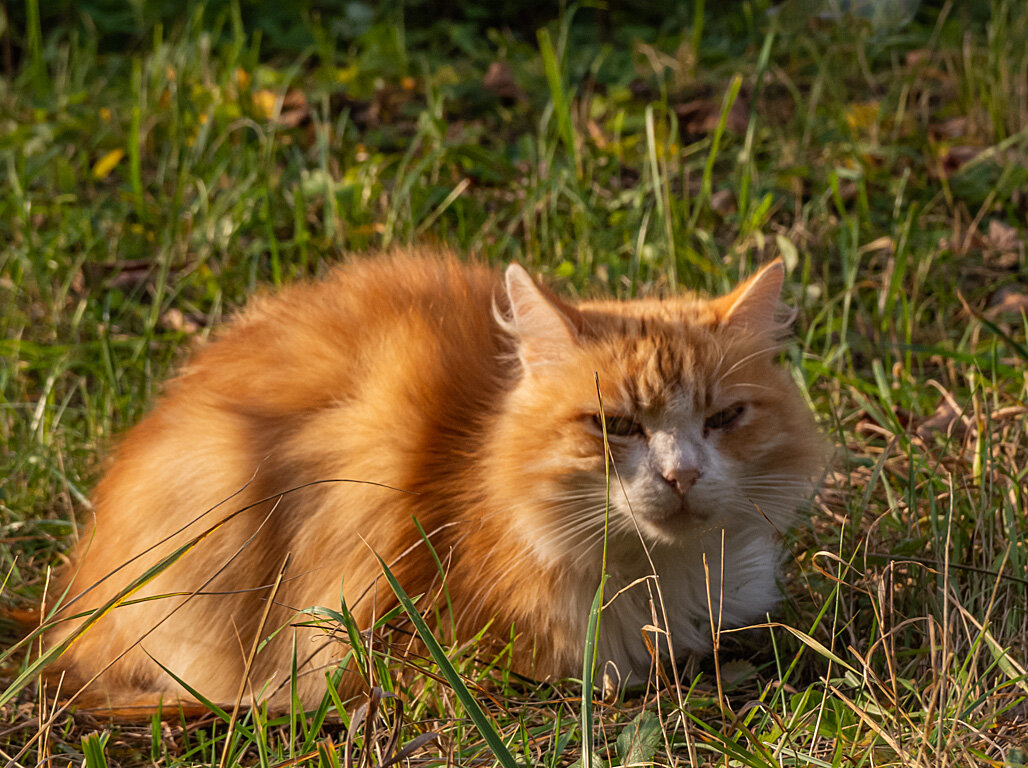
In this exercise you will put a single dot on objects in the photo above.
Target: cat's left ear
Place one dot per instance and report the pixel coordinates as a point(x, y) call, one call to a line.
point(754, 304)
point(546, 328)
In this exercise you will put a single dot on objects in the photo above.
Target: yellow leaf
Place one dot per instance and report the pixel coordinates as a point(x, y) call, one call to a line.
point(106, 164)
point(264, 102)
point(346, 74)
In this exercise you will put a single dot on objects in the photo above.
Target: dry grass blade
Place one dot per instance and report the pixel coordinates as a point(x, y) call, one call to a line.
point(475, 712)
point(418, 742)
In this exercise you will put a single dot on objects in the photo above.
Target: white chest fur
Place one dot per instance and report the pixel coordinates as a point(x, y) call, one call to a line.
point(696, 587)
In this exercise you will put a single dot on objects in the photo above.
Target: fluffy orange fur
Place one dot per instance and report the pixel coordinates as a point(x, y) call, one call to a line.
point(467, 402)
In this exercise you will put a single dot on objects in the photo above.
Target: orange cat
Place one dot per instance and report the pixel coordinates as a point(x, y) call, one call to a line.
point(467, 402)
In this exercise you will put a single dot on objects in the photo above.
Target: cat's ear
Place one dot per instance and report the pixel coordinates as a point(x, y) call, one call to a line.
point(754, 304)
point(545, 327)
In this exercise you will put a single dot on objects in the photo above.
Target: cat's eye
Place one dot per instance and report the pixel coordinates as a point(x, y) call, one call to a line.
point(618, 426)
point(725, 418)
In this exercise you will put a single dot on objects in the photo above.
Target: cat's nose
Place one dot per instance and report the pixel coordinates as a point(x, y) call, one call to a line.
point(681, 479)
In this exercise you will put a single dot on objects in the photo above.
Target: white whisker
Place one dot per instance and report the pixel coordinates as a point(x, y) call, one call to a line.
point(745, 359)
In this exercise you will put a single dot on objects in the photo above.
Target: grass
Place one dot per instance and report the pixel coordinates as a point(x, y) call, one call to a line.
point(147, 193)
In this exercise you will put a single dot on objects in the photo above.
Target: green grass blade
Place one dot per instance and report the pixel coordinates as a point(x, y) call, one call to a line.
point(715, 145)
point(589, 758)
point(212, 706)
point(561, 106)
point(475, 712)
point(94, 748)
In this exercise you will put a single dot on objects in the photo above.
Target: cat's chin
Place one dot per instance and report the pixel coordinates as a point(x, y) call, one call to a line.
point(672, 524)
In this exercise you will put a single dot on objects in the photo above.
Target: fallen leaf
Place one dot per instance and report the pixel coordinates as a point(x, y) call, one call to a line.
point(639, 740)
point(611, 684)
point(1010, 298)
point(1002, 236)
point(264, 102)
point(946, 420)
point(103, 167)
point(737, 671)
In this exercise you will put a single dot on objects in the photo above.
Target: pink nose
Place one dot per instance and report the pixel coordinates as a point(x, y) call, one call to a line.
point(681, 479)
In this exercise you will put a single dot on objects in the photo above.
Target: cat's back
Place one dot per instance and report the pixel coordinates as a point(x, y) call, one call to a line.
point(386, 370)
point(396, 326)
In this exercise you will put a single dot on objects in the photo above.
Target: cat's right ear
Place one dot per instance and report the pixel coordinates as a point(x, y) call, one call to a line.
point(545, 327)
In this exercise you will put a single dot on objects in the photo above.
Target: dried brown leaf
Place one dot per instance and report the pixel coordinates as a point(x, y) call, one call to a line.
point(947, 420)
point(1011, 299)
point(1002, 236)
